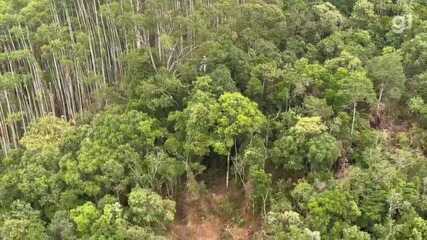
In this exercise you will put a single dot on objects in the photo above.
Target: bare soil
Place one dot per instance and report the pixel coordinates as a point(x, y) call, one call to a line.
point(204, 218)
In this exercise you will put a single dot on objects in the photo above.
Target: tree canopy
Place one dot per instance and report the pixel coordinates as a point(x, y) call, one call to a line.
point(302, 119)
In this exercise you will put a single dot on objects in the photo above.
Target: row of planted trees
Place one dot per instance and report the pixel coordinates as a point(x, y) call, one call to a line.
point(56, 55)
point(49, 65)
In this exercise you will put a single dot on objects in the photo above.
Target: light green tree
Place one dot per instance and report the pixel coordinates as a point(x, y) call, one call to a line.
point(147, 208)
point(306, 146)
point(238, 117)
point(22, 223)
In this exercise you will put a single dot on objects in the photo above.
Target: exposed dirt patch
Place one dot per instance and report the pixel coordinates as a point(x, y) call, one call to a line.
point(217, 214)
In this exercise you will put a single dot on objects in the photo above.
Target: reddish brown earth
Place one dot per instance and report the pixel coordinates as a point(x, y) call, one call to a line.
point(201, 219)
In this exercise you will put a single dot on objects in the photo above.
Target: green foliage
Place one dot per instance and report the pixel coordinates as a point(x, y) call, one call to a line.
point(301, 194)
point(261, 182)
point(414, 54)
point(355, 87)
point(84, 216)
point(48, 132)
point(388, 74)
point(316, 110)
point(149, 209)
point(288, 225)
point(306, 147)
point(329, 209)
point(196, 123)
point(354, 233)
point(61, 226)
point(238, 116)
point(317, 107)
point(22, 222)
point(417, 105)
point(158, 94)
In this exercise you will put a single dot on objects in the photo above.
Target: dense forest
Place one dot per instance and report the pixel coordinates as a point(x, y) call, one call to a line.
point(213, 119)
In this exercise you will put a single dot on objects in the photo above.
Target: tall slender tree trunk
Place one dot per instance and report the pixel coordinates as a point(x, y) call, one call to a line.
point(354, 118)
point(380, 97)
point(12, 124)
point(227, 177)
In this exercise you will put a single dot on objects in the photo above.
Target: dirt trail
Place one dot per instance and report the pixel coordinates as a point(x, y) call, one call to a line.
point(201, 219)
